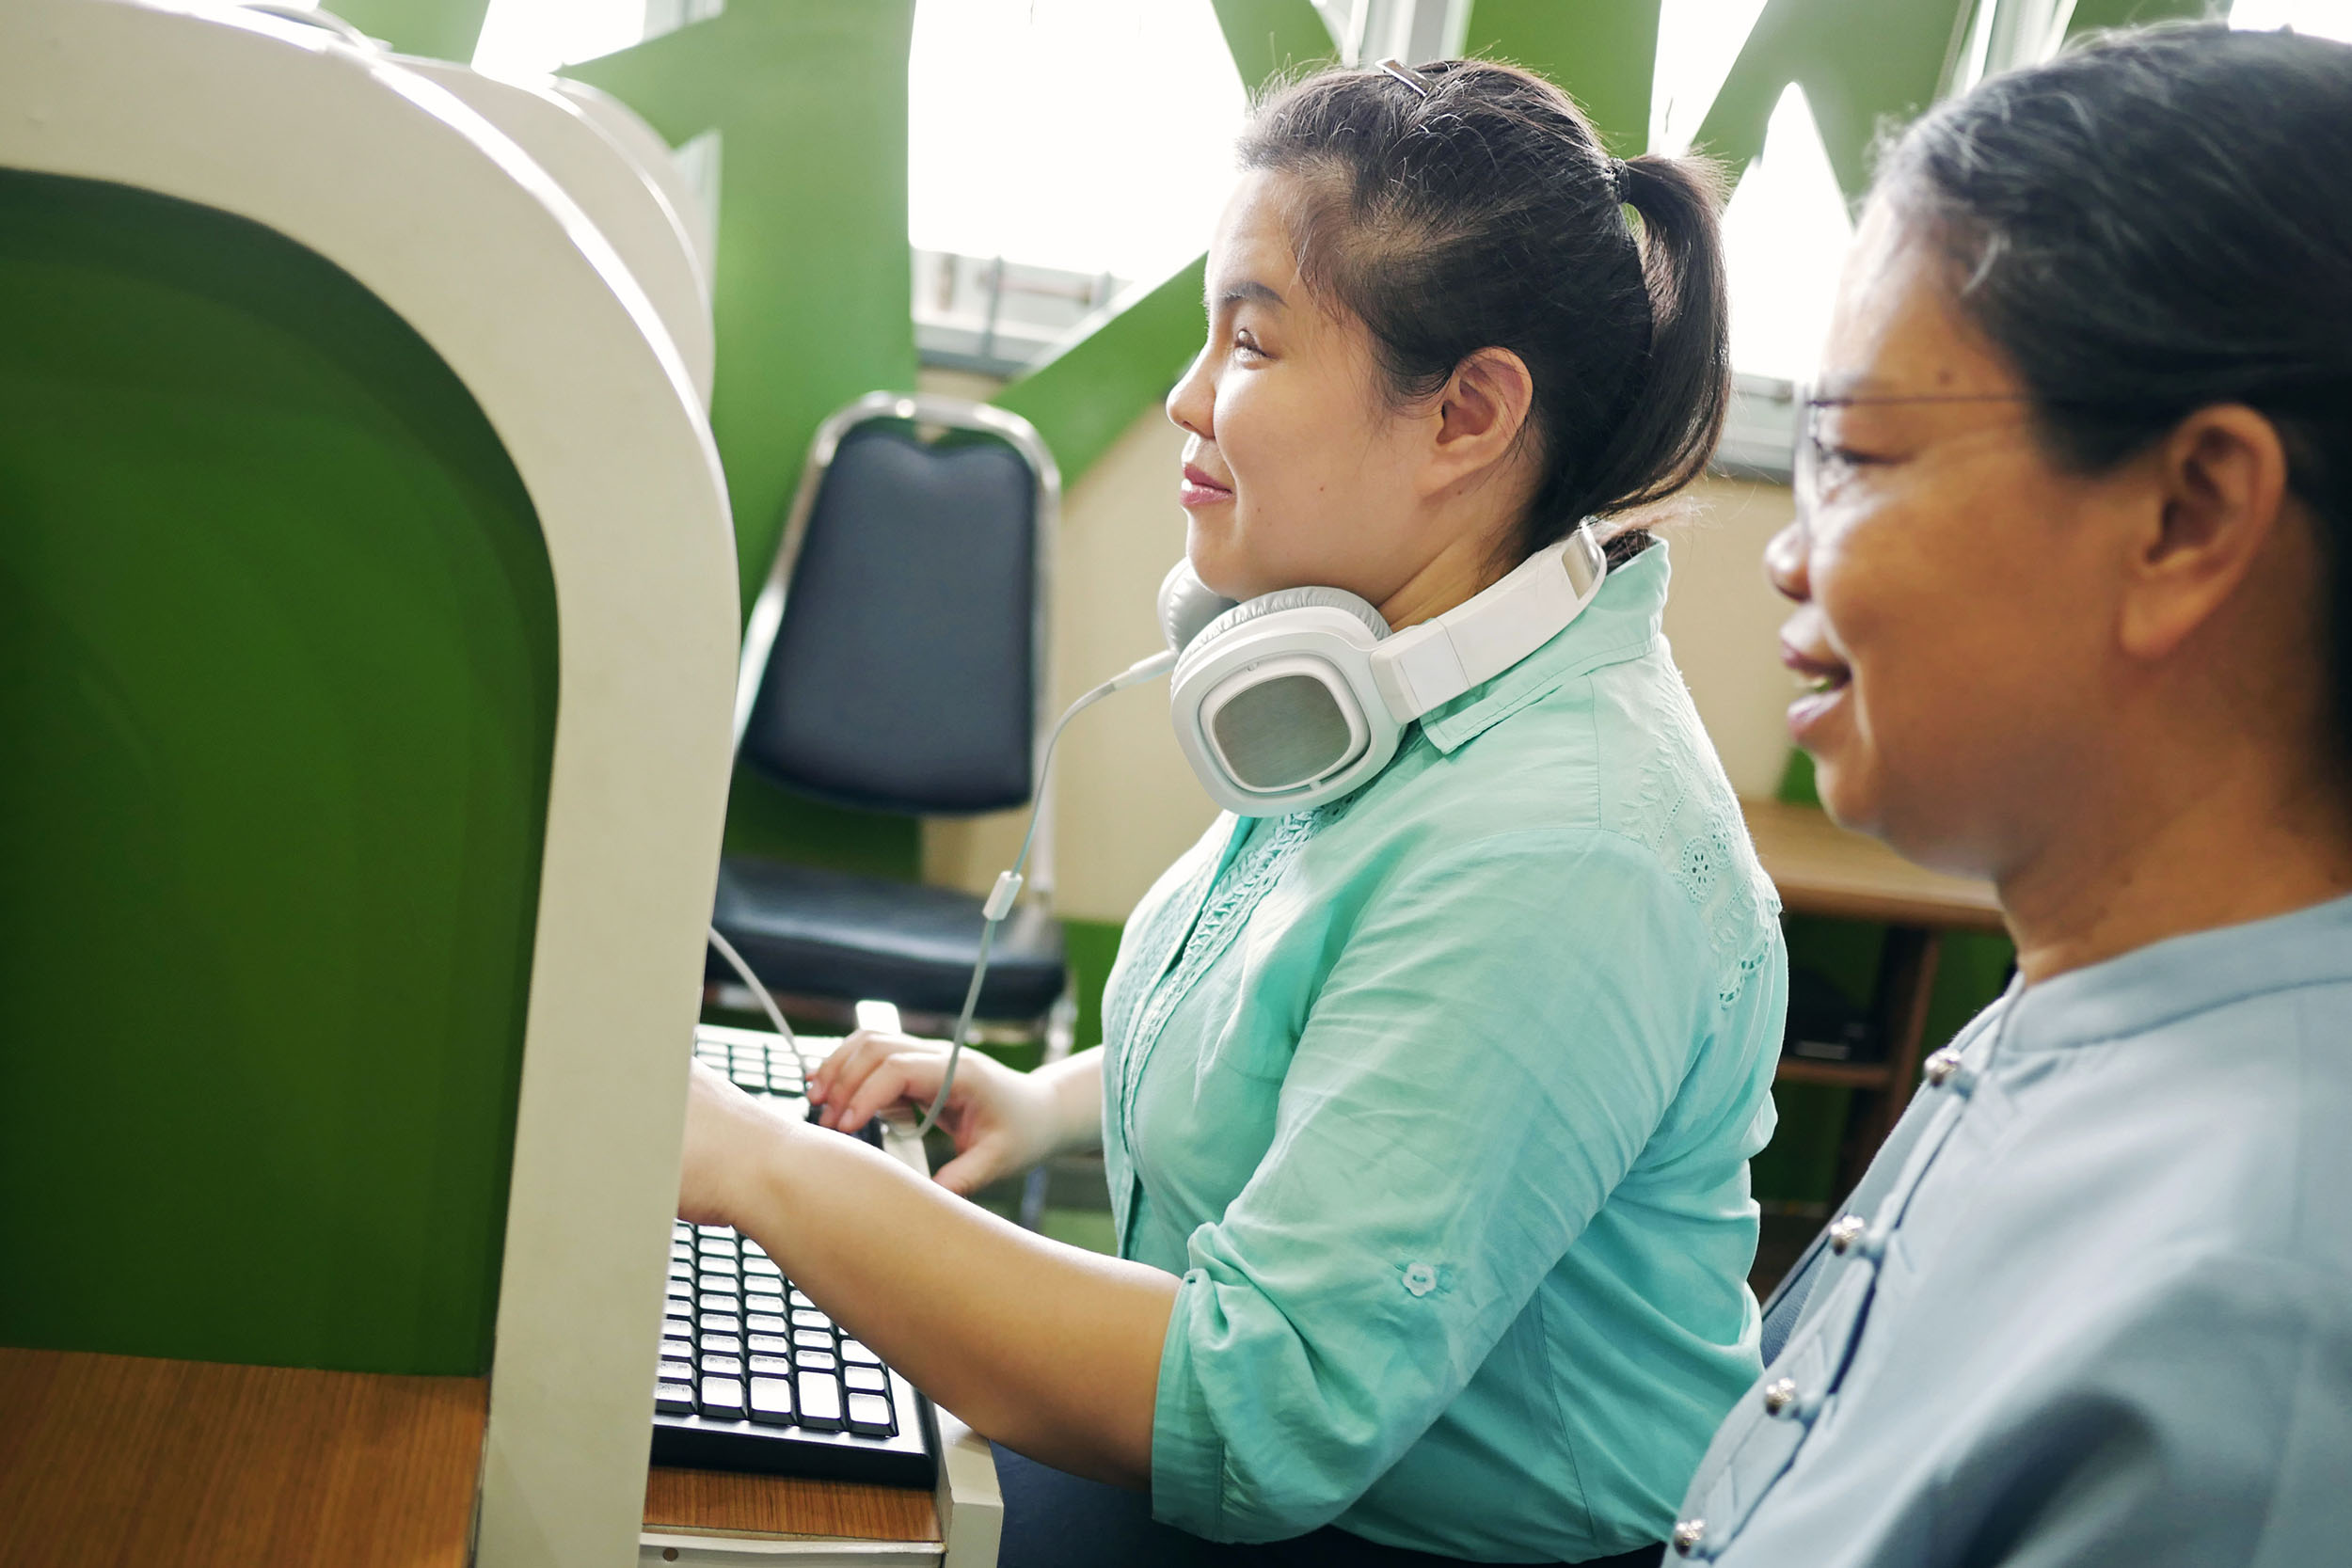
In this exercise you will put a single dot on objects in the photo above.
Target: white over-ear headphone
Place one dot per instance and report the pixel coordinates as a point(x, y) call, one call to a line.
point(1300, 696)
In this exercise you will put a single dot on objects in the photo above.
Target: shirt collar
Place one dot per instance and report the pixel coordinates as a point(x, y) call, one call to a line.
point(2151, 986)
point(1623, 622)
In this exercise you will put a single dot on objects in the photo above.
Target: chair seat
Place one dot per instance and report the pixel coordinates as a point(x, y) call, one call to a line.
point(825, 933)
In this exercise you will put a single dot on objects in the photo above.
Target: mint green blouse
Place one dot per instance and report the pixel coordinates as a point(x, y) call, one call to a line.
point(1439, 1100)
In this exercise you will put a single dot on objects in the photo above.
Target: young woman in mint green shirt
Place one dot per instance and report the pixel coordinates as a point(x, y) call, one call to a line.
point(1426, 1113)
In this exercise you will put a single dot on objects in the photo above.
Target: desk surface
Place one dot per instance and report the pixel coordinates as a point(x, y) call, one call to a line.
point(128, 1459)
point(1821, 868)
point(715, 1502)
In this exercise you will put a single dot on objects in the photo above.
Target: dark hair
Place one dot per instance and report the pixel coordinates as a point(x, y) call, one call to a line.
point(2155, 223)
point(1485, 213)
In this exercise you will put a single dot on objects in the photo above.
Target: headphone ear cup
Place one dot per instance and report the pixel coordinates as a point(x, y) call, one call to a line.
point(1188, 604)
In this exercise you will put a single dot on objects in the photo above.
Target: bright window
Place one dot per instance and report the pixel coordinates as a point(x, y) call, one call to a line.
point(2326, 18)
point(1084, 135)
point(1784, 236)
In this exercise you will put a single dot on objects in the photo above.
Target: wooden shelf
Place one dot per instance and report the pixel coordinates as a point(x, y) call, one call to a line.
point(1821, 868)
point(1850, 1075)
point(714, 1502)
point(127, 1459)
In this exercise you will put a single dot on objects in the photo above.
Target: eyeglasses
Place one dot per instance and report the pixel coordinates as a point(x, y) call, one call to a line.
point(1812, 465)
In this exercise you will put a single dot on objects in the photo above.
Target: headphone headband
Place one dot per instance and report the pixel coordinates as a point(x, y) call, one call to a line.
point(1476, 641)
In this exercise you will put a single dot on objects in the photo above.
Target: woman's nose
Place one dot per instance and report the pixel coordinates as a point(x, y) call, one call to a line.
point(1190, 402)
point(1785, 559)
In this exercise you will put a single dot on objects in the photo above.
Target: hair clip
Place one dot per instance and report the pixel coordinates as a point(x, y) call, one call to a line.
point(1396, 68)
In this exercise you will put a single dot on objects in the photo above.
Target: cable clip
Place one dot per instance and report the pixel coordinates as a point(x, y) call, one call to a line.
point(1000, 897)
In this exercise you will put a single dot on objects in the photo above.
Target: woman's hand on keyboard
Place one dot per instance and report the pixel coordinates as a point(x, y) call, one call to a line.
point(1003, 1122)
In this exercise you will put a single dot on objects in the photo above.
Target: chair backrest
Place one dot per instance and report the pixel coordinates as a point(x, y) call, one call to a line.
point(369, 601)
point(897, 657)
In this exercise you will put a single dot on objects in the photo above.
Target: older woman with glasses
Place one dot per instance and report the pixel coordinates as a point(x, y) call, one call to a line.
point(2072, 577)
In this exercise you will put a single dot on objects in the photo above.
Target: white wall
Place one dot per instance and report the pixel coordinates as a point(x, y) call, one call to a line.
point(1126, 803)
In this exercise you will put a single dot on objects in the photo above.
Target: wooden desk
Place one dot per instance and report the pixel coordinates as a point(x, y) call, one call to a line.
point(121, 1458)
point(1822, 869)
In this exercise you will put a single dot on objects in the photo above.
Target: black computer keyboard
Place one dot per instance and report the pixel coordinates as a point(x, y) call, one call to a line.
point(753, 1375)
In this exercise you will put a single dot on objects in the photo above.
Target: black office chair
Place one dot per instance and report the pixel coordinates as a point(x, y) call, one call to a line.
point(895, 661)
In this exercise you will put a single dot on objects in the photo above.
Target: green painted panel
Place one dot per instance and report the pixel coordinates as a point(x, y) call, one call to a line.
point(1862, 64)
point(2091, 15)
point(277, 678)
point(1274, 38)
point(1604, 52)
point(437, 29)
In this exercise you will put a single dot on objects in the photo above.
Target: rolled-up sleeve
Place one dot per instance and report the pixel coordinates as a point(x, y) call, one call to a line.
point(1485, 1060)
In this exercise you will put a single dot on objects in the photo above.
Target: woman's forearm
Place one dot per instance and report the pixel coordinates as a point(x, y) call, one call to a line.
point(1048, 1348)
point(1075, 1087)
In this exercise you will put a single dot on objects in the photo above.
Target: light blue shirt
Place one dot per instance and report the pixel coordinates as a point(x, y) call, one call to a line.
point(2103, 1314)
point(1440, 1100)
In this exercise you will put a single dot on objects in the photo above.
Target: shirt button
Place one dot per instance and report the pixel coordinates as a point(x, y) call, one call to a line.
point(1419, 1278)
point(1779, 1395)
point(1850, 1237)
point(1687, 1536)
point(1945, 1070)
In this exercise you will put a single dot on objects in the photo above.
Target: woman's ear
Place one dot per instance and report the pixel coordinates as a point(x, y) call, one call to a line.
point(2221, 482)
point(1481, 411)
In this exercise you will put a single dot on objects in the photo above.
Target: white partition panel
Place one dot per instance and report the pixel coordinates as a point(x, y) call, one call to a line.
point(445, 220)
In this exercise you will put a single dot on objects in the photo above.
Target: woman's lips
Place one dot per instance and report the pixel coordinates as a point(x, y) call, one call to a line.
point(1197, 489)
point(1826, 680)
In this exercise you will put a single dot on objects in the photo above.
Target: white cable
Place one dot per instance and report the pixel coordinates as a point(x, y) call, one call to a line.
point(767, 1002)
point(1007, 888)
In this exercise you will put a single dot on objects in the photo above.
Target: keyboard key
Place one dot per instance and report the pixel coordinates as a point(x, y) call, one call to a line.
point(812, 1339)
point(722, 1366)
point(727, 1230)
point(722, 1397)
point(718, 1247)
point(815, 1361)
point(681, 1271)
point(676, 1347)
point(808, 1316)
point(870, 1416)
point(709, 1264)
point(800, 1300)
point(721, 1323)
point(769, 1344)
point(675, 1371)
point(771, 1400)
point(821, 1400)
point(764, 1266)
point(715, 1301)
point(767, 1322)
point(771, 1366)
point(722, 1344)
point(865, 1380)
point(852, 1350)
point(674, 1399)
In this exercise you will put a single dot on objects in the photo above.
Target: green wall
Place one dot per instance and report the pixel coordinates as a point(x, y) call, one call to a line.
point(278, 680)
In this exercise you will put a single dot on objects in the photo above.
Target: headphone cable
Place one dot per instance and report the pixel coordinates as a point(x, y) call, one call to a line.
point(1007, 888)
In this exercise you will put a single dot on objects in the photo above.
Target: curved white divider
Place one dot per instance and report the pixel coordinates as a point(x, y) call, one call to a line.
point(444, 219)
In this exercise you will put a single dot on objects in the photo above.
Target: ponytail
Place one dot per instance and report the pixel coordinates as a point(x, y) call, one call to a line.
point(1676, 418)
